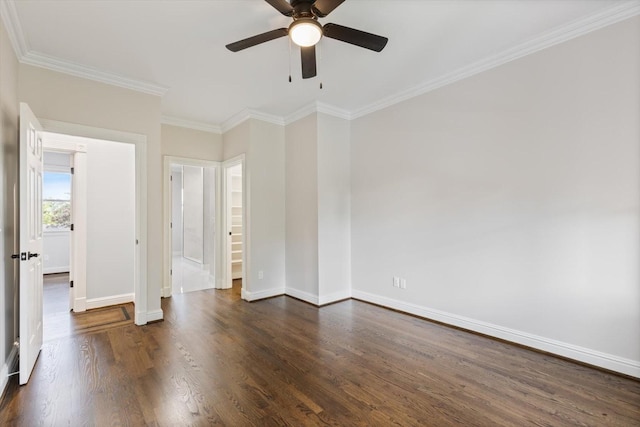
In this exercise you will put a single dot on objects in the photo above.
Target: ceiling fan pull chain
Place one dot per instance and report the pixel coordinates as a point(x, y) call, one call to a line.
point(319, 60)
point(289, 60)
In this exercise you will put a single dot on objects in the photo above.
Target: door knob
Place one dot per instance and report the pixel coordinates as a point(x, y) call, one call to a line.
point(33, 255)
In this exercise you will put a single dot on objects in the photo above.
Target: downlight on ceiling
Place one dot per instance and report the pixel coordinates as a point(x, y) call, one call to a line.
point(305, 32)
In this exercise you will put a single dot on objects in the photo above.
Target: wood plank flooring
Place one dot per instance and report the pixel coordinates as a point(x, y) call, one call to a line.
point(217, 360)
point(59, 322)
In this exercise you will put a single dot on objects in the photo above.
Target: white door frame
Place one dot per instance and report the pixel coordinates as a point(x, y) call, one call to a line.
point(140, 143)
point(227, 220)
point(78, 237)
point(166, 200)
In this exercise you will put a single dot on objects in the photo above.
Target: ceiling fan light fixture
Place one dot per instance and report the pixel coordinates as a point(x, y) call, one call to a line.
point(305, 32)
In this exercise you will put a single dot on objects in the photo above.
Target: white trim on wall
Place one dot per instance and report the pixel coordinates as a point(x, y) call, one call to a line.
point(107, 301)
point(10, 366)
point(581, 354)
point(190, 124)
point(611, 15)
point(266, 293)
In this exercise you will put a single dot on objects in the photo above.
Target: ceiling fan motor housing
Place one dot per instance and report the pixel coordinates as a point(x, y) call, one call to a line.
point(303, 9)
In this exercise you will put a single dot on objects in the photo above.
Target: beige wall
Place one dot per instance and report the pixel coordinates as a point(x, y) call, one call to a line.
point(266, 192)
point(8, 188)
point(302, 208)
point(190, 143)
point(262, 144)
point(317, 209)
point(334, 209)
point(510, 201)
point(70, 99)
point(236, 141)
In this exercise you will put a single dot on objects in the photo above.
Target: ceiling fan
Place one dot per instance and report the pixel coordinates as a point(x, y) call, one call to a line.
point(306, 31)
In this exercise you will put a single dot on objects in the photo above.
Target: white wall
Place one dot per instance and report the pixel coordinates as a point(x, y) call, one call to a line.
point(193, 213)
point(56, 251)
point(176, 210)
point(302, 208)
point(110, 220)
point(510, 201)
point(334, 209)
point(318, 209)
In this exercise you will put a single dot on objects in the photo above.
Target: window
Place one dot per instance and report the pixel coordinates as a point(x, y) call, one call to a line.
point(56, 201)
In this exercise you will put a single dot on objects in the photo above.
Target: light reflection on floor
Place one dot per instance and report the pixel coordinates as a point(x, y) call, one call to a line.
point(189, 276)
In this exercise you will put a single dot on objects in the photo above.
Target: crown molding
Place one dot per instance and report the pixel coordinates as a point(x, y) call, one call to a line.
point(247, 114)
point(302, 112)
point(67, 67)
point(190, 124)
point(29, 57)
point(12, 24)
point(333, 111)
point(317, 107)
point(577, 28)
point(550, 38)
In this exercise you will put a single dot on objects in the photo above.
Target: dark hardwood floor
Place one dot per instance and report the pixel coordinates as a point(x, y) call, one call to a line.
point(216, 360)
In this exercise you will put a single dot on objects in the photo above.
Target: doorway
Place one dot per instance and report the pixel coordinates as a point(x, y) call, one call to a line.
point(57, 211)
point(197, 265)
point(193, 227)
point(99, 252)
point(235, 224)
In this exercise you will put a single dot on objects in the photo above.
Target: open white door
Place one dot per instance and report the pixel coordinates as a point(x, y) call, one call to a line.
point(30, 241)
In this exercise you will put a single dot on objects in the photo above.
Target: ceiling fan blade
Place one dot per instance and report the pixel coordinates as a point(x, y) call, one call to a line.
point(324, 7)
point(260, 38)
point(308, 56)
point(281, 6)
point(355, 37)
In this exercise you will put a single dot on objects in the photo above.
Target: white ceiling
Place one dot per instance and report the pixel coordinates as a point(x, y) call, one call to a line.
point(176, 48)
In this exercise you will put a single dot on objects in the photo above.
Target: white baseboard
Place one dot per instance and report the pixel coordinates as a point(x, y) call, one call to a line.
point(8, 367)
point(107, 301)
point(302, 295)
point(318, 300)
point(334, 297)
point(570, 351)
point(267, 293)
point(166, 292)
point(55, 270)
point(80, 305)
point(154, 315)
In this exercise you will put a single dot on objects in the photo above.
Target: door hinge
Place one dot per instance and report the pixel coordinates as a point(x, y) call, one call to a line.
point(171, 272)
point(71, 284)
point(71, 227)
point(73, 170)
point(170, 225)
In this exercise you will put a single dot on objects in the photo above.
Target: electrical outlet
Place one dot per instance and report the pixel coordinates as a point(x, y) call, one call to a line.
point(260, 275)
point(396, 282)
point(403, 283)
